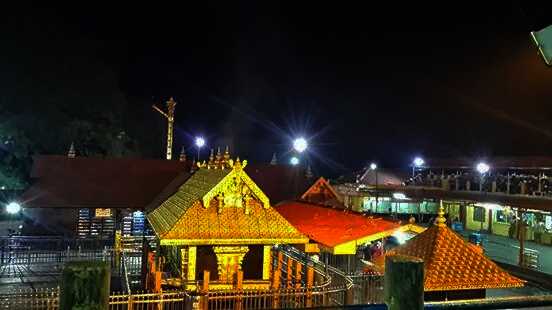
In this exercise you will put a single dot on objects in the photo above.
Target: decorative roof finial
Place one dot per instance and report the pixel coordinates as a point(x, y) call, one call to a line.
point(72, 153)
point(211, 158)
point(226, 154)
point(182, 154)
point(309, 174)
point(441, 220)
point(274, 160)
point(218, 157)
point(194, 165)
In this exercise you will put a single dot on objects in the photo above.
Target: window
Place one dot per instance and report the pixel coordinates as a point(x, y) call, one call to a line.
point(502, 217)
point(478, 214)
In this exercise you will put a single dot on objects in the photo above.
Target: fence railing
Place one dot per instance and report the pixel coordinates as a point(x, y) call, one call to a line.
point(48, 299)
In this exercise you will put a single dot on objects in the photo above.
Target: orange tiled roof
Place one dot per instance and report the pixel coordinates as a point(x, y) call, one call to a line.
point(331, 227)
point(453, 264)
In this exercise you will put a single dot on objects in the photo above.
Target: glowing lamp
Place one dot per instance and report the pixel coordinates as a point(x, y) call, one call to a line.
point(300, 144)
point(482, 168)
point(199, 142)
point(13, 208)
point(294, 161)
point(418, 162)
point(373, 166)
point(399, 196)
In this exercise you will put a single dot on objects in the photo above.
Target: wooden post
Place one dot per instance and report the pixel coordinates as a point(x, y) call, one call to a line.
point(276, 288)
point(310, 280)
point(238, 305)
point(404, 282)
point(206, 276)
point(521, 238)
point(298, 267)
point(289, 272)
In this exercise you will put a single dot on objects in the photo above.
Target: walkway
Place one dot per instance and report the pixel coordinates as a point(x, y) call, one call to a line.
point(506, 250)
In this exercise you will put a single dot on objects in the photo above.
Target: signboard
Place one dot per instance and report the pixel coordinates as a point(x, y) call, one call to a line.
point(103, 213)
point(543, 40)
point(312, 248)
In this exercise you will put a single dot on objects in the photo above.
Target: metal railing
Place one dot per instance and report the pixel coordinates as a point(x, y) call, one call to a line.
point(48, 299)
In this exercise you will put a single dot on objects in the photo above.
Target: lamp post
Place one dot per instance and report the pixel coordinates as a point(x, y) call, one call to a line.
point(418, 162)
point(482, 168)
point(199, 142)
point(12, 209)
point(374, 168)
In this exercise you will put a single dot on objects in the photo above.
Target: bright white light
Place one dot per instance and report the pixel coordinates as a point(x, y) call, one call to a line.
point(400, 236)
point(294, 161)
point(373, 166)
point(399, 196)
point(482, 168)
point(300, 144)
point(490, 206)
point(199, 142)
point(418, 162)
point(13, 208)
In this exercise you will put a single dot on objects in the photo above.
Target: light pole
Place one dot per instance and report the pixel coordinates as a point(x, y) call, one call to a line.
point(374, 168)
point(199, 142)
point(12, 209)
point(482, 168)
point(418, 162)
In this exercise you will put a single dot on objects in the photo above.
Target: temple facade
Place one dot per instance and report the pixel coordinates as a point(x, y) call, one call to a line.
point(219, 221)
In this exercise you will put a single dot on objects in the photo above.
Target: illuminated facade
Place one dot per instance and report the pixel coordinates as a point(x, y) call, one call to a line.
point(219, 220)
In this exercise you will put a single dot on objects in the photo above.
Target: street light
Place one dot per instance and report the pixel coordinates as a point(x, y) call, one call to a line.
point(199, 142)
point(482, 168)
point(294, 161)
point(374, 167)
point(418, 162)
point(13, 207)
point(300, 144)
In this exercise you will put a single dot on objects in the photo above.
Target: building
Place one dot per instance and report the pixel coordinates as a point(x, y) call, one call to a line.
point(91, 197)
point(218, 220)
point(453, 268)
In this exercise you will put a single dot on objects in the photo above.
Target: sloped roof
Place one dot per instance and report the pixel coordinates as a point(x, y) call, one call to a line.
point(60, 181)
point(322, 193)
point(190, 216)
point(164, 217)
point(451, 263)
point(279, 182)
point(331, 227)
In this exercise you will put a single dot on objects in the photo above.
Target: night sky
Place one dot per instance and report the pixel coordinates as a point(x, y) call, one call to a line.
point(378, 82)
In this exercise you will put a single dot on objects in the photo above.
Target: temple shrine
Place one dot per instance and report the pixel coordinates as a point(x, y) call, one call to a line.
point(453, 268)
point(218, 220)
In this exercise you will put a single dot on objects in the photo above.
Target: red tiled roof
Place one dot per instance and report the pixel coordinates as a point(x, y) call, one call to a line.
point(331, 227)
point(451, 263)
point(279, 182)
point(60, 181)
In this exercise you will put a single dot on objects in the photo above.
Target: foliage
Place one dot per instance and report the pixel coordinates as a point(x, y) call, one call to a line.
point(85, 286)
point(54, 92)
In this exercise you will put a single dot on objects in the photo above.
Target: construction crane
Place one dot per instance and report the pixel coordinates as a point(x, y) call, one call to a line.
point(171, 104)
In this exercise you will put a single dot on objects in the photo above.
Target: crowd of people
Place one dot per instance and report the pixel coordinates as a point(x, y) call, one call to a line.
point(511, 183)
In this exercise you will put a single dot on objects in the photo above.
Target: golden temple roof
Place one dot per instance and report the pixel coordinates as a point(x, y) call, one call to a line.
point(220, 204)
point(451, 263)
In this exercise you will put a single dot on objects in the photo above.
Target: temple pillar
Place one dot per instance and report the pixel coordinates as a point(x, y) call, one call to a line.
point(192, 254)
point(229, 259)
point(266, 261)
